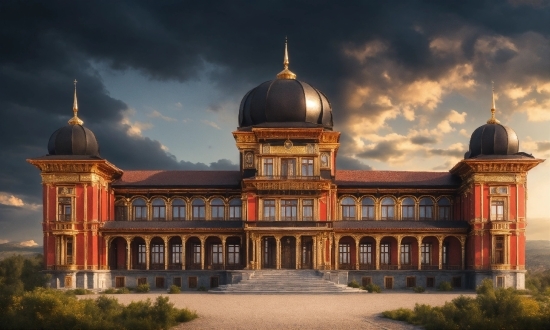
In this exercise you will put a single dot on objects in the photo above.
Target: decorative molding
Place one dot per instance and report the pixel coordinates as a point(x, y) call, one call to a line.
point(286, 185)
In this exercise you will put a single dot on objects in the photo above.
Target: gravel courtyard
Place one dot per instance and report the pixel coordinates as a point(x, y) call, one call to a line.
point(296, 311)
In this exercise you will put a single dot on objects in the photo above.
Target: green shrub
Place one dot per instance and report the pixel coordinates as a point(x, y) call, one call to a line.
point(174, 289)
point(143, 288)
point(401, 314)
point(79, 291)
point(372, 288)
point(109, 291)
point(445, 286)
point(123, 291)
point(201, 288)
point(419, 289)
point(353, 284)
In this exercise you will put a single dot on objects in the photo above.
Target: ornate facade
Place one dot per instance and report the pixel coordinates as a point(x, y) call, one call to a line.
point(288, 207)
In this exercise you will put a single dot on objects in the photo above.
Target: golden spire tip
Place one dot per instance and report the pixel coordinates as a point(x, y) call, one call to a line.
point(286, 73)
point(75, 120)
point(493, 119)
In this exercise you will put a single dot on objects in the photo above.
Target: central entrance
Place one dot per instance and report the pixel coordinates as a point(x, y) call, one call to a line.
point(288, 252)
point(307, 252)
point(269, 253)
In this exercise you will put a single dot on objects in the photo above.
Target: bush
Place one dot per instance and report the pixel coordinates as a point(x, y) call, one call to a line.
point(353, 284)
point(419, 289)
point(445, 286)
point(143, 288)
point(201, 288)
point(174, 289)
point(372, 288)
point(79, 292)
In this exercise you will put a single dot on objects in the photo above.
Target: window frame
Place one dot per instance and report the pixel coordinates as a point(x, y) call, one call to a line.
point(407, 210)
point(405, 254)
point(349, 211)
point(307, 208)
point(235, 206)
point(307, 168)
point(159, 211)
point(426, 254)
point(178, 208)
point(288, 206)
point(424, 208)
point(386, 208)
point(217, 211)
point(199, 210)
point(367, 210)
point(267, 166)
point(385, 253)
point(268, 205)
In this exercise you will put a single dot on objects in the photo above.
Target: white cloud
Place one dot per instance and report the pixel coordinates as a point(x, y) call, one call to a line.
point(3, 241)
point(210, 123)
point(28, 243)
point(179, 105)
point(134, 128)
point(12, 200)
point(156, 114)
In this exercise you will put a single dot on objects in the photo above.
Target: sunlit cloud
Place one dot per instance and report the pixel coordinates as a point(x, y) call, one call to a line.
point(12, 200)
point(210, 123)
point(133, 128)
point(29, 243)
point(3, 241)
point(156, 114)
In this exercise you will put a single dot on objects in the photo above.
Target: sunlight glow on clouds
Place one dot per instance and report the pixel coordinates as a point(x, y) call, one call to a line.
point(11, 200)
point(135, 128)
point(28, 243)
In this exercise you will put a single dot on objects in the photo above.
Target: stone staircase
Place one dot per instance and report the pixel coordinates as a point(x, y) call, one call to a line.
point(285, 281)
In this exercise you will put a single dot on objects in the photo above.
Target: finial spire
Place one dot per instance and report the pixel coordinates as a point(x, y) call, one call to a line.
point(286, 73)
point(75, 120)
point(493, 119)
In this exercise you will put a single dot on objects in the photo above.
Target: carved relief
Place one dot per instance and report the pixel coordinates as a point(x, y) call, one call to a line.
point(247, 138)
point(248, 159)
point(288, 185)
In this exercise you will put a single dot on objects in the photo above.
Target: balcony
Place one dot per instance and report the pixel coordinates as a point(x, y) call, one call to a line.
point(283, 224)
point(367, 267)
point(430, 267)
point(408, 267)
point(63, 226)
point(389, 267)
point(451, 267)
point(287, 177)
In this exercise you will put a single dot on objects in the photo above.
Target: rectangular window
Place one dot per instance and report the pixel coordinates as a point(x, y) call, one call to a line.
point(307, 166)
point(233, 254)
point(411, 281)
point(197, 254)
point(307, 209)
point(192, 282)
point(157, 254)
point(176, 254)
point(344, 252)
point(121, 213)
point(141, 254)
point(444, 255)
point(268, 166)
point(269, 209)
point(365, 254)
point(385, 254)
point(217, 212)
point(178, 212)
point(214, 281)
point(430, 282)
point(159, 282)
point(367, 212)
point(405, 254)
point(499, 249)
point(444, 212)
point(217, 256)
point(140, 212)
point(387, 212)
point(289, 208)
point(199, 212)
point(120, 281)
point(408, 212)
point(500, 282)
point(456, 282)
point(388, 282)
point(235, 212)
point(497, 210)
point(366, 280)
point(65, 213)
point(177, 281)
point(288, 167)
point(69, 251)
point(426, 212)
point(141, 280)
point(159, 212)
point(426, 253)
point(348, 212)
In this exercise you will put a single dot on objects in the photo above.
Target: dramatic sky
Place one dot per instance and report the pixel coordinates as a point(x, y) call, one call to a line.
point(160, 82)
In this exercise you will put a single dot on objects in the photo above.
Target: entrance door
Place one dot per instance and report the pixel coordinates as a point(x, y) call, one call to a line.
point(269, 253)
point(306, 252)
point(288, 253)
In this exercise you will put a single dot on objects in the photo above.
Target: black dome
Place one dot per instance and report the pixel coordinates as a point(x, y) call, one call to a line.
point(285, 103)
point(73, 140)
point(493, 139)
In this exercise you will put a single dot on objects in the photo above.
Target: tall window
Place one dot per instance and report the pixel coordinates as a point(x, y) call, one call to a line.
point(159, 209)
point(407, 209)
point(405, 254)
point(348, 209)
point(269, 209)
point(196, 254)
point(426, 253)
point(344, 253)
point(64, 206)
point(69, 250)
point(121, 211)
point(157, 253)
point(388, 209)
point(198, 209)
point(289, 208)
point(217, 209)
point(499, 249)
point(307, 166)
point(176, 254)
point(217, 256)
point(235, 207)
point(268, 166)
point(385, 254)
point(288, 167)
point(445, 254)
point(307, 209)
point(140, 209)
point(426, 209)
point(444, 209)
point(365, 253)
point(497, 210)
point(233, 254)
point(141, 254)
point(367, 209)
point(178, 209)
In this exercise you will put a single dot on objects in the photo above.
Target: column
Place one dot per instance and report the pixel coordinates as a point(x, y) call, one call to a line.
point(202, 251)
point(253, 242)
point(419, 240)
point(377, 252)
point(246, 247)
point(147, 252)
point(106, 252)
point(224, 257)
point(440, 240)
point(336, 252)
point(399, 238)
point(258, 263)
point(278, 252)
point(128, 250)
point(463, 250)
point(166, 251)
point(330, 241)
point(183, 239)
point(315, 247)
point(357, 240)
point(298, 251)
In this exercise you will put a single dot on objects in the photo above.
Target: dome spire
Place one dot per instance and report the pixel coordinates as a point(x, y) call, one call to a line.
point(75, 120)
point(493, 119)
point(286, 73)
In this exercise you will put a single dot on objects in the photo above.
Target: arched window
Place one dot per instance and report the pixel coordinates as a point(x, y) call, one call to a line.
point(348, 208)
point(367, 209)
point(444, 206)
point(217, 209)
point(199, 209)
point(178, 209)
point(407, 209)
point(426, 209)
point(235, 207)
point(388, 208)
point(121, 211)
point(140, 209)
point(159, 209)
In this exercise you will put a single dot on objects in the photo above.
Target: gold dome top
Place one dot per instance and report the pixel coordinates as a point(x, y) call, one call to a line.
point(75, 120)
point(493, 119)
point(286, 73)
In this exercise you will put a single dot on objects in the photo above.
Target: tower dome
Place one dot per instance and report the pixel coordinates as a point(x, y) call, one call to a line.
point(73, 139)
point(285, 102)
point(493, 138)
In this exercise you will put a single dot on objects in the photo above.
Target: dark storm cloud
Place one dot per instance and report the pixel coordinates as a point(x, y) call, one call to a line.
point(348, 163)
point(446, 152)
point(421, 140)
point(383, 151)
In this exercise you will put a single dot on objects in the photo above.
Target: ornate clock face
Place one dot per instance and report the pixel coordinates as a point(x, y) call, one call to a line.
point(288, 144)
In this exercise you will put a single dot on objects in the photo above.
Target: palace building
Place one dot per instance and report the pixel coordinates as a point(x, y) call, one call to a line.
point(287, 208)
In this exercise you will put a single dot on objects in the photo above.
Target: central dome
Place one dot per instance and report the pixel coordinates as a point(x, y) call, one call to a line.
point(285, 102)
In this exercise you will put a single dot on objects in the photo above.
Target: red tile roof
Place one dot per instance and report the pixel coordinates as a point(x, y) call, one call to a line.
point(179, 178)
point(362, 178)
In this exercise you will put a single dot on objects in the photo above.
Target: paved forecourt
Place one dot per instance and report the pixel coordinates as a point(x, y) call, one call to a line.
point(296, 311)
